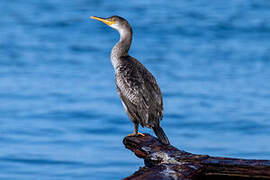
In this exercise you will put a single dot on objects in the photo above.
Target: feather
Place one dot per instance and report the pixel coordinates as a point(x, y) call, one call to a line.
point(139, 92)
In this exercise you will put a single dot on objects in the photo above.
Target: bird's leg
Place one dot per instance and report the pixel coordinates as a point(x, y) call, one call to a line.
point(136, 133)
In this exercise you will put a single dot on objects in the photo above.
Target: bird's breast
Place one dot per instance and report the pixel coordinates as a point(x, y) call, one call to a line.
point(115, 62)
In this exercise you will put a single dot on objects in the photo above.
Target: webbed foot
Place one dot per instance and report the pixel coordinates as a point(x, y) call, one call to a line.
point(136, 134)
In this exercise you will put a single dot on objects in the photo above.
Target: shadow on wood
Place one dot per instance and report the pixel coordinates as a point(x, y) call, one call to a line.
point(167, 162)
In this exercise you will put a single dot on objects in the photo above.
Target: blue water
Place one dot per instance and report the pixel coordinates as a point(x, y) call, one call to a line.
point(60, 115)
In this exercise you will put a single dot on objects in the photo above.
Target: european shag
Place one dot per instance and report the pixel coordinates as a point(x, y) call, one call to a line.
point(136, 86)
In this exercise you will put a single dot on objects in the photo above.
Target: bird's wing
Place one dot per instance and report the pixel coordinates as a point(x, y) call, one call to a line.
point(140, 93)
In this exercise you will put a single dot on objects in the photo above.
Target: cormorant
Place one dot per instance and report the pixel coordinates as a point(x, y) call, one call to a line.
point(136, 86)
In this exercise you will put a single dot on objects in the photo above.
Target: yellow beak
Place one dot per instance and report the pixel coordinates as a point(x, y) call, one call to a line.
point(108, 22)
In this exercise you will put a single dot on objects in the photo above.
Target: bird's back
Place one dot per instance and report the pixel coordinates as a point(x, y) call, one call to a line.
point(139, 92)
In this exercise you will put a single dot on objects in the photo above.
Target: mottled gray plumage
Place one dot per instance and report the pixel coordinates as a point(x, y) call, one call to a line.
point(136, 86)
point(139, 92)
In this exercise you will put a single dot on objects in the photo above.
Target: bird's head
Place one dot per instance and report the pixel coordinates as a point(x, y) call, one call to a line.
point(116, 22)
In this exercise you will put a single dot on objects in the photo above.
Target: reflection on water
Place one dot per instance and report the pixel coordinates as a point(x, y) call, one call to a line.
point(61, 117)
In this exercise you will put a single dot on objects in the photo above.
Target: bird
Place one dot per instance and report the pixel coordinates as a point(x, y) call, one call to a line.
point(137, 87)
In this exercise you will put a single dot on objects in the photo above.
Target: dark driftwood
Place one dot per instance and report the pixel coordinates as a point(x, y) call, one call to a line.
point(167, 162)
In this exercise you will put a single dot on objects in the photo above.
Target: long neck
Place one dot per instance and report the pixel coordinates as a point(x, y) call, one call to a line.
point(123, 45)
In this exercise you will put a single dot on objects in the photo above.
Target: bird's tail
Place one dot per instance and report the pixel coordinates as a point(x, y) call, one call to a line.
point(161, 135)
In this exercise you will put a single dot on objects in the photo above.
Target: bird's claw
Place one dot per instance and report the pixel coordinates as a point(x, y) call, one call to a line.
point(140, 134)
point(136, 134)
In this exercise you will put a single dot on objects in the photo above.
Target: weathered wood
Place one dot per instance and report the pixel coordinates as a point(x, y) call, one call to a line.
point(167, 162)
